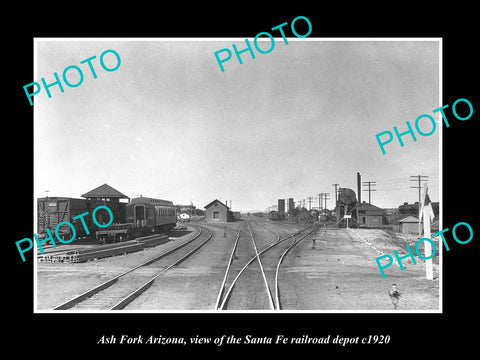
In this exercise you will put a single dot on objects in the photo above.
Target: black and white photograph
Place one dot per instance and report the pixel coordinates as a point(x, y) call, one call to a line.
point(266, 184)
point(259, 188)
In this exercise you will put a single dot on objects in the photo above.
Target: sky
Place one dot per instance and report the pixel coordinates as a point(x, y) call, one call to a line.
point(169, 124)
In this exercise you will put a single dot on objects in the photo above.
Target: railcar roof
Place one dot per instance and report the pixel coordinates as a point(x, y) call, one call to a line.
point(152, 201)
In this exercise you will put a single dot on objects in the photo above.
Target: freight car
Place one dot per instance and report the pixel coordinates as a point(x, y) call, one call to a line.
point(346, 210)
point(53, 210)
point(273, 215)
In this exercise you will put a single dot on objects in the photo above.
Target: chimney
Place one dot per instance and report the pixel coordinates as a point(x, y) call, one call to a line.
point(359, 187)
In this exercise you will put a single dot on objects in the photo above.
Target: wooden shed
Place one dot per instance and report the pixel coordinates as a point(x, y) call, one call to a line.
point(408, 225)
point(370, 215)
point(218, 211)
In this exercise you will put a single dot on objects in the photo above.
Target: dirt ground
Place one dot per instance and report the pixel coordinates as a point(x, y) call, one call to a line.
point(59, 282)
point(338, 272)
point(335, 273)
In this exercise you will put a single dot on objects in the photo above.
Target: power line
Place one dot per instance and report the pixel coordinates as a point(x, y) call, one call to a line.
point(327, 197)
point(419, 178)
point(369, 184)
point(336, 192)
point(309, 198)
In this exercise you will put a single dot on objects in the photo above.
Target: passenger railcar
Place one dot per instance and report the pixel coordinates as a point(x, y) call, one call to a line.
point(159, 215)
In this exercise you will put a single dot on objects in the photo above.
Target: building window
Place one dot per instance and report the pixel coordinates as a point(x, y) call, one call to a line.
point(215, 215)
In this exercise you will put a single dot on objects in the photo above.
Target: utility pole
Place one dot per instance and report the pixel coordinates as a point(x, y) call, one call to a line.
point(327, 197)
point(419, 179)
point(309, 198)
point(369, 184)
point(336, 192)
point(320, 201)
point(336, 201)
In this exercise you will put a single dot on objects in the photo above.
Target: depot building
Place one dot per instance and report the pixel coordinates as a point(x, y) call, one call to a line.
point(218, 211)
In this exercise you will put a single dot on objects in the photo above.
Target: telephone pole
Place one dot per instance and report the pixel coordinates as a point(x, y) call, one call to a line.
point(369, 184)
point(336, 192)
point(327, 197)
point(419, 179)
point(337, 212)
point(309, 198)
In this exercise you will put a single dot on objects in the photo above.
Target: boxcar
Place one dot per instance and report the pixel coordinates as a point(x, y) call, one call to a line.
point(53, 210)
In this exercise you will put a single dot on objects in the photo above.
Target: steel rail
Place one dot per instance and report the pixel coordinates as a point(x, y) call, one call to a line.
point(270, 299)
point(232, 285)
point(230, 261)
point(277, 270)
point(129, 298)
point(89, 293)
point(262, 225)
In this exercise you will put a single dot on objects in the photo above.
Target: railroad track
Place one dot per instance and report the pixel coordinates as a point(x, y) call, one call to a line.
point(227, 286)
point(119, 291)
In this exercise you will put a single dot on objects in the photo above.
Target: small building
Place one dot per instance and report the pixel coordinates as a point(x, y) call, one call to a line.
point(105, 193)
point(218, 211)
point(392, 216)
point(412, 209)
point(408, 225)
point(370, 215)
point(186, 209)
point(184, 217)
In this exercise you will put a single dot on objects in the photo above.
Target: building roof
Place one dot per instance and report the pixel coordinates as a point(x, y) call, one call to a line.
point(364, 206)
point(409, 219)
point(104, 191)
point(218, 201)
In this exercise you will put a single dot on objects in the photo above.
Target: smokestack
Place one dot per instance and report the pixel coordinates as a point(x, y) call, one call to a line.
point(359, 187)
